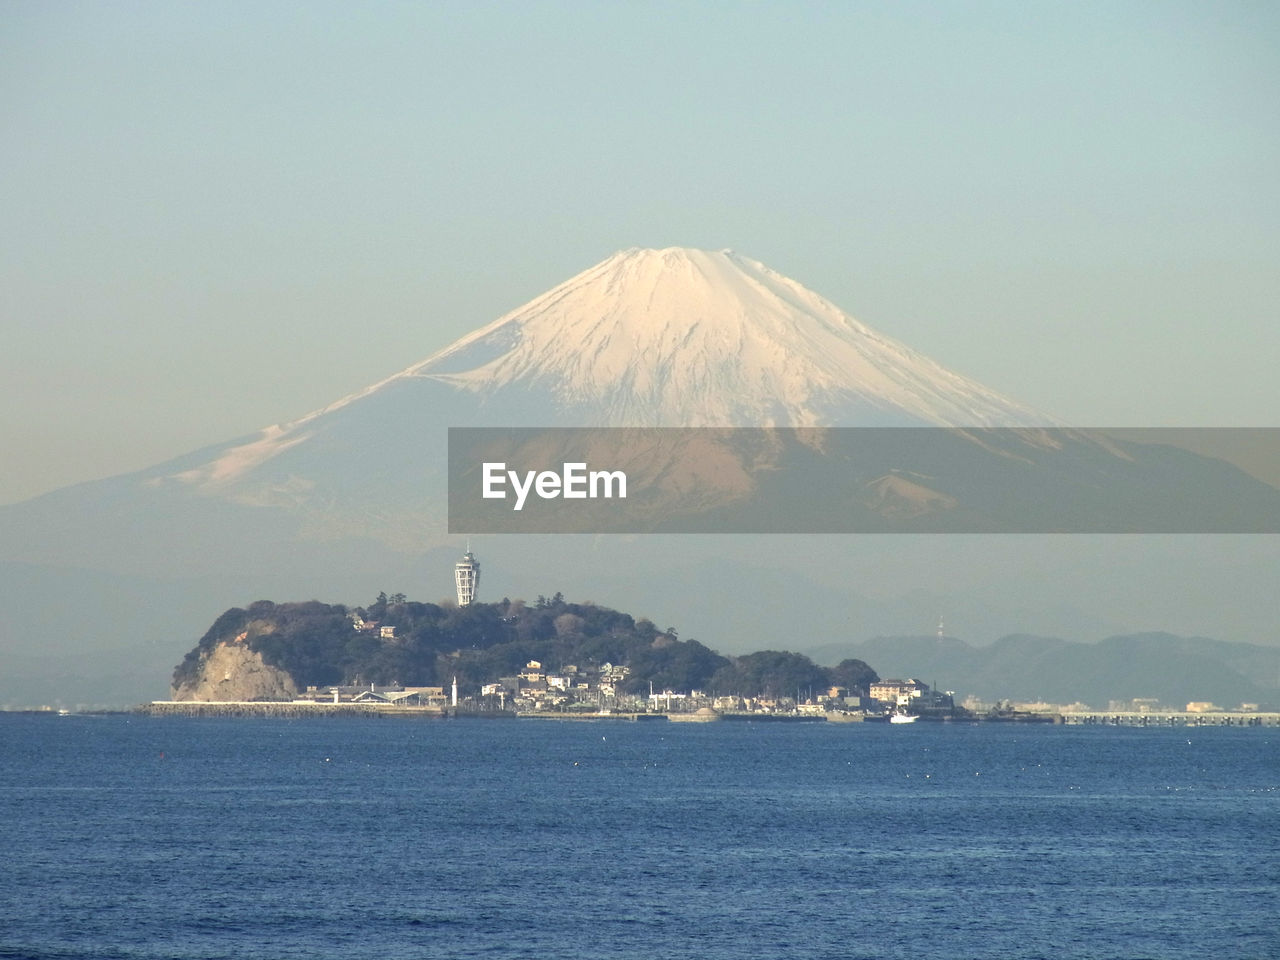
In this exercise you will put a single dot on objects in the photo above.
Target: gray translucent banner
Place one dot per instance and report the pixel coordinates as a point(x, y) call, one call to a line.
point(864, 480)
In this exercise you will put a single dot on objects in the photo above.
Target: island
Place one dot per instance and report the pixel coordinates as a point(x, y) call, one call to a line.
point(509, 658)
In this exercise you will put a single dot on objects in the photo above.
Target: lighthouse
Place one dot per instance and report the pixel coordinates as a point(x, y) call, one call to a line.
point(466, 577)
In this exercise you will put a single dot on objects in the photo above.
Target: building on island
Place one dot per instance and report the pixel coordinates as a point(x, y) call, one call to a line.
point(466, 577)
point(911, 696)
point(898, 692)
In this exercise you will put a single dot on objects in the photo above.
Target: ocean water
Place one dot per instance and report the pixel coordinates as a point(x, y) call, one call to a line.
point(208, 838)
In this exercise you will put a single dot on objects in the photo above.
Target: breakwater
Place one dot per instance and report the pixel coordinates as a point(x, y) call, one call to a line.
point(287, 709)
point(1174, 719)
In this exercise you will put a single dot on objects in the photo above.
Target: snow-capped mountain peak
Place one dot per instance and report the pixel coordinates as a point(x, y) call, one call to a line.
point(681, 337)
point(669, 338)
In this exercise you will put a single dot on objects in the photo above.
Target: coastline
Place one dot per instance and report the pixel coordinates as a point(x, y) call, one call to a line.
point(301, 709)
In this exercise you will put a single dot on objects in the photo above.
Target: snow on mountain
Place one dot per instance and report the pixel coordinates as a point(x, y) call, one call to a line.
point(681, 337)
point(673, 337)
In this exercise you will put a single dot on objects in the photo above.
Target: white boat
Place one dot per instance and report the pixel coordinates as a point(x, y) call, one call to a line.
point(903, 718)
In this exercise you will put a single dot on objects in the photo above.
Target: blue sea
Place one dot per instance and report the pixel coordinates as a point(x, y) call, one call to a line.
point(136, 837)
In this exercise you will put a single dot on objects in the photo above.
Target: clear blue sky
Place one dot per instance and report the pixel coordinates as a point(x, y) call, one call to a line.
point(217, 216)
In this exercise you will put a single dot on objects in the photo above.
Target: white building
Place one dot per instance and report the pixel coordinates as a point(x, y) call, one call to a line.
point(466, 577)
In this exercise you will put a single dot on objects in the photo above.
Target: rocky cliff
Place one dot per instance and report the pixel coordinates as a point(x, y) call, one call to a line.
point(231, 671)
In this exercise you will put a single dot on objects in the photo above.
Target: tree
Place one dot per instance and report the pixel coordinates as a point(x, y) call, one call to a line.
point(673, 665)
point(775, 673)
point(568, 625)
point(853, 674)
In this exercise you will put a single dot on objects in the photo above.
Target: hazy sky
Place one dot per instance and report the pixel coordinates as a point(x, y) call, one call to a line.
point(217, 216)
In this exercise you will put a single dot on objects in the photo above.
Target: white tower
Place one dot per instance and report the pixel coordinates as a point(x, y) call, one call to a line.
point(466, 577)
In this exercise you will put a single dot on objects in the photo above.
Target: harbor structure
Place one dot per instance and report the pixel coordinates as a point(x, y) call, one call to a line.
point(466, 577)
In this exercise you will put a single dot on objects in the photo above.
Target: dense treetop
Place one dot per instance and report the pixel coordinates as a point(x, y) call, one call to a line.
point(317, 644)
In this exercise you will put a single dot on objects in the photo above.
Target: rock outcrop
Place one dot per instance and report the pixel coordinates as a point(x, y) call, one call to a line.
point(231, 671)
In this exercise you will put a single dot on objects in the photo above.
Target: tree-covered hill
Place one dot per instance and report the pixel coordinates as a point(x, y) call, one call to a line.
point(320, 644)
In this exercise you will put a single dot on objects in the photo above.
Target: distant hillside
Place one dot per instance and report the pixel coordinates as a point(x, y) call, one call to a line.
point(1172, 669)
point(268, 650)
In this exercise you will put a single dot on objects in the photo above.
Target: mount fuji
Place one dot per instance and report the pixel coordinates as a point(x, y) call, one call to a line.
point(349, 499)
point(646, 338)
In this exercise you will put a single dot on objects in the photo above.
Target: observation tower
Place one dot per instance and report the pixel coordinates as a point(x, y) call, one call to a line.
point(466, 577)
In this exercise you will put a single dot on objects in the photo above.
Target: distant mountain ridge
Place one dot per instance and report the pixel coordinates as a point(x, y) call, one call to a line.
point(1175, 670)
